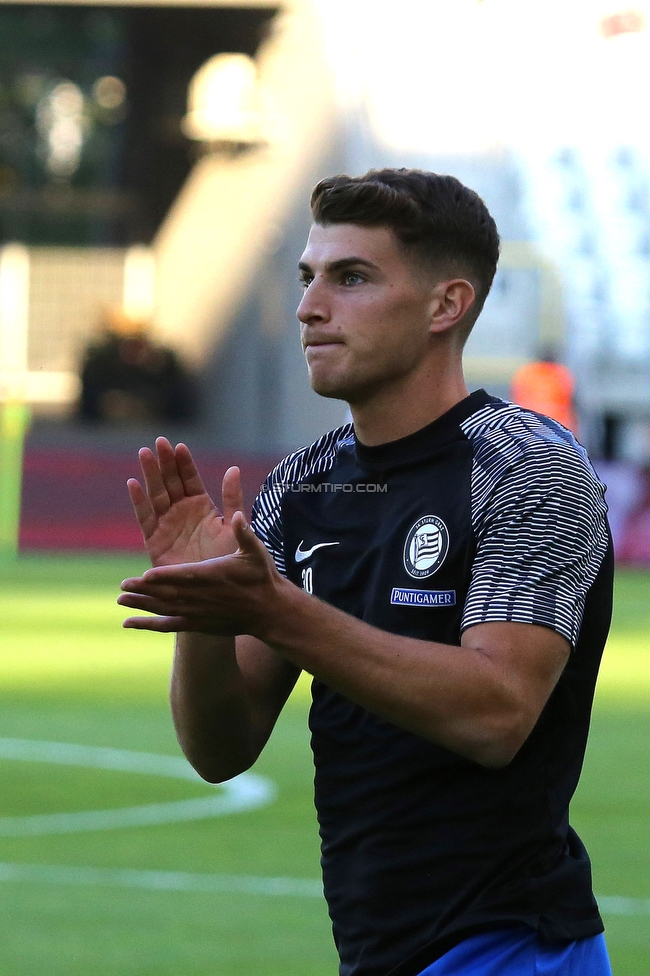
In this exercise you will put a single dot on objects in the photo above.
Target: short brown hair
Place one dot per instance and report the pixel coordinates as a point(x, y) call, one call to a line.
point(436, 218)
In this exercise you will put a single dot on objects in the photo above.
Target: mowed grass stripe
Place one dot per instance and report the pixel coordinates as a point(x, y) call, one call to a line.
point(38, 623)
point(245, 792)
point(223, 883)
point(162, 880)
point(72, 674)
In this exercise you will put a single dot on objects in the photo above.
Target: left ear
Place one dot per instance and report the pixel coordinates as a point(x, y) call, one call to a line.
point(451, 302)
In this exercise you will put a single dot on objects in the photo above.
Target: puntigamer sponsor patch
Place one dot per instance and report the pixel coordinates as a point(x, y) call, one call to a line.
point(423, 598)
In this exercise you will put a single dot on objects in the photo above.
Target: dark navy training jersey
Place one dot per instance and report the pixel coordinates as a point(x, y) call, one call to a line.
point(491, 513)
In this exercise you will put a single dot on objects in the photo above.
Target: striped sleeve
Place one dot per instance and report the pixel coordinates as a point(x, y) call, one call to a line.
point(266, 518)
point(541, 535)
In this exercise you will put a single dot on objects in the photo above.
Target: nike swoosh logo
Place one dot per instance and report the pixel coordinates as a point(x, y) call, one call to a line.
point(302, 554)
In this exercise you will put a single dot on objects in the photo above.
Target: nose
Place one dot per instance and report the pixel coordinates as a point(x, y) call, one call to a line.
point(313, 305)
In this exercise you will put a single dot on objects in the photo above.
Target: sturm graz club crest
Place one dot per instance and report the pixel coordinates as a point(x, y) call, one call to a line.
point(426, 547)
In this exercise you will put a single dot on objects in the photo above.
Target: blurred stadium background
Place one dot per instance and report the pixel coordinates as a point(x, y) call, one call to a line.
point(155, 165)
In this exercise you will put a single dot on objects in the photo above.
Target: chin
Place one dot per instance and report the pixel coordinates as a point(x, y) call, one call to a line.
point(329, 388)
point(339, 387)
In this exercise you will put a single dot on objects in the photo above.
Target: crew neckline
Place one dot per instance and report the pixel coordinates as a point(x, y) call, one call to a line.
point(421, 441)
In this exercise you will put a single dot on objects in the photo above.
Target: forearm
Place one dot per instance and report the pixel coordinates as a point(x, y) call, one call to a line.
point(480, 700)
point(458, 697)
point(210, 706)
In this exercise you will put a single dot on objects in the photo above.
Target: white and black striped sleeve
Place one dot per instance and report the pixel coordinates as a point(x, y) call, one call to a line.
point(541, 535)
point(266, 518)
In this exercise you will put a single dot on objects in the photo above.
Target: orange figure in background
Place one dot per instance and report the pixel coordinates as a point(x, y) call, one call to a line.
point(547, 387)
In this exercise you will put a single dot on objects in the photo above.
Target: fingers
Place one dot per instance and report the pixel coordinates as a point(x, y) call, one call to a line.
point(164, 588)
point(169, 472)
point(169, 475)
point(246, 538)
point(247, 541)
point(154, 482)
point(141, 601)
point(175, 625)
point(163, 605)
point(160, 625)
point(142, 507)
point(231, 493)
point(174, 614)
point(211, 596)
point(190, 477)
point(168, 577)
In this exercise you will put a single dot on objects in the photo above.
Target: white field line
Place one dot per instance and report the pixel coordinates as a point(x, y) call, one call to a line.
point(619, 905)
point(221, 883)
point(97, 757)
point(245, 792)
point(162, 880)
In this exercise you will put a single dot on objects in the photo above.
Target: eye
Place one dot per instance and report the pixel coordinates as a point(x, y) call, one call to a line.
point(352, 278)
point(305, 280)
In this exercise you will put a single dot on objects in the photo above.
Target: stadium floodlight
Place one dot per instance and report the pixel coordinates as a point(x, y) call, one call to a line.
point(224, 104)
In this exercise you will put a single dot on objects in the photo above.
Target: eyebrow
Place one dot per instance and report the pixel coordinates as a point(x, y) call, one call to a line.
point(341, 264)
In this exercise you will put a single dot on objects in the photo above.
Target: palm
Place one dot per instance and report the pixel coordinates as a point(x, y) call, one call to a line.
point(179, 521)
point(190, 531)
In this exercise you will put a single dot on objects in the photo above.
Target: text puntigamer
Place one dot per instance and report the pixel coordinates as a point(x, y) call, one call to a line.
point(423, 598)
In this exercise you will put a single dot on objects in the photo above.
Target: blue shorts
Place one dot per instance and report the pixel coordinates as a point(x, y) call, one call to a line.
point(518, 952)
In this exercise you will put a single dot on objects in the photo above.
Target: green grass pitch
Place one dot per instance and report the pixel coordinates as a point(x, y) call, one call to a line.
point(68, 673)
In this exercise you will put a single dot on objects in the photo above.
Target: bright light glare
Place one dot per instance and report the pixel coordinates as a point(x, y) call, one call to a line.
point(462, 75)
point(109, 92)
point(562, 81)
point(223, 101)
point(139, 283)
point(61, 124)
point(416, 69)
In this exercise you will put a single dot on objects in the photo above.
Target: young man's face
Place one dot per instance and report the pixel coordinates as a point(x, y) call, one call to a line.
point(365, 314)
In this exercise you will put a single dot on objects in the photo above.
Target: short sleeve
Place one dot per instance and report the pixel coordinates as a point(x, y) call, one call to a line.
point(266, 518)
point(541, 536)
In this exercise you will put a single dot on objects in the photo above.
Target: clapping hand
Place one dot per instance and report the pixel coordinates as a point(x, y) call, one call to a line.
point(211, 573)
point(179, 521)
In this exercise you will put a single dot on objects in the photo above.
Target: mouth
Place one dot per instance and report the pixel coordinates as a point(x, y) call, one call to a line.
point(321, 352)
point(322, 344)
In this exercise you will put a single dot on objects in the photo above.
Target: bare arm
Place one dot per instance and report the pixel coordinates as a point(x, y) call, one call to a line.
point(225, 700)
point(480, 700)
point(225, 703)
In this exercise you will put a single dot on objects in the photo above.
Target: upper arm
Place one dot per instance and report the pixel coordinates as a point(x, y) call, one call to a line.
point(528, 660)
point(541, 537)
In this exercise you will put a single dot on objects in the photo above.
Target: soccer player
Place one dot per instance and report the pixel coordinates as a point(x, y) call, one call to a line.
point(443, 569)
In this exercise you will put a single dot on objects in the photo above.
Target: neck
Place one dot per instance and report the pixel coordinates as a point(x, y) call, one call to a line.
point(408, 405)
